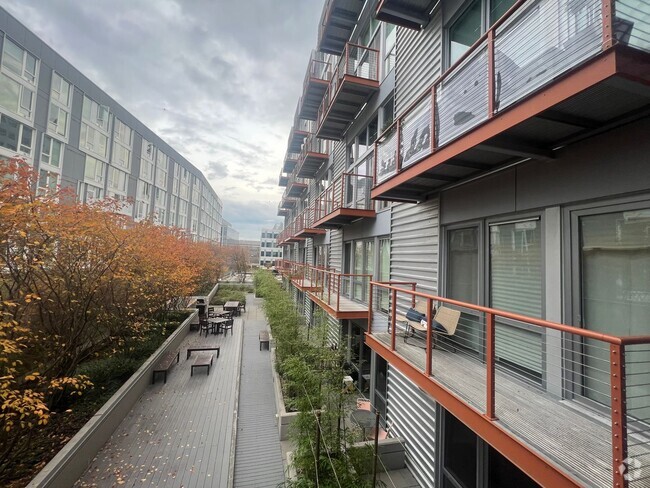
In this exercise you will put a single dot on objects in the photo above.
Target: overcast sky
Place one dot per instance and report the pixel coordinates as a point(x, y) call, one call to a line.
point(219, 80)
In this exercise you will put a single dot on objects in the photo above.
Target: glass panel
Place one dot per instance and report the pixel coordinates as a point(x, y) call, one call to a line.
point(460, 452)
point(462, 283)
point(30, 68)
point(56, 153)
point(9, 93)
point(384, 272)
point(465, 31)
point(498, 8)
point(26, 103)
point(358, 269)
point(516, 286)
point(12, 58)
point(615, 261)
point(26, 140)
point(9, 133)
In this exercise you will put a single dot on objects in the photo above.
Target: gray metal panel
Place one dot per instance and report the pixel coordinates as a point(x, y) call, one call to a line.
point(414, 244)
point(418, 61)
point(338, 159)
point(336, 249)
point(413, 416)
point(333, 331)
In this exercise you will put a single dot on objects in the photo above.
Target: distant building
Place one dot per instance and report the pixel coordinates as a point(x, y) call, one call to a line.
point(270, 252)
point(229, 236)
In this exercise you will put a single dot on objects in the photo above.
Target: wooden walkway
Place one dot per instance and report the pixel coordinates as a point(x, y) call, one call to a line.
point(179, 433)
point(258, 458)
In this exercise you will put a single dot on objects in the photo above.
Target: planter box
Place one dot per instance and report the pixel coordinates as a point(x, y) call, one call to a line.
point(391, 452)
point(285, 419)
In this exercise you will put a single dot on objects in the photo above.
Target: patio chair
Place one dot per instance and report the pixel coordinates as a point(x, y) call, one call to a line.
point(204, 326)
point(445, 323)
point(227, 326)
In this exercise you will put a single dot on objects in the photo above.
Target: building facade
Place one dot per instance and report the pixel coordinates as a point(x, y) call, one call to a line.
point(76, 136)
point(270, 252)
point(484, 160)
point(229, 236)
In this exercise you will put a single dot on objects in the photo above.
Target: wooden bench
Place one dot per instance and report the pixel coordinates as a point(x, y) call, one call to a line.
point(165, 364)
point(264, 339)
point(202, 360)
point(190, 350)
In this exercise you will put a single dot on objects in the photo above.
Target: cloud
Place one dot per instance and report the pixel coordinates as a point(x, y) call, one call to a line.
point(218, 80)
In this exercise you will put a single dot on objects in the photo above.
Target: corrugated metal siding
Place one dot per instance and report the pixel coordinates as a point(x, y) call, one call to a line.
point(338, 161)
point(414, 244)
point(336, 249)
point(333, 331)
point(418, 61)
point(413, 416)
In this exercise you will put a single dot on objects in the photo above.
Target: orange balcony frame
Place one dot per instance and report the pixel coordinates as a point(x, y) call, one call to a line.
point(305, 225)
point(303, 277)
point(316, 82)
point(412, 14)
point(295, 186)
point(485, 422)
point(352, 84)
point(330, 294)
point(335, 206)
point(313, 154)
point(283, 179)
point(337, 22)
point(521, 130)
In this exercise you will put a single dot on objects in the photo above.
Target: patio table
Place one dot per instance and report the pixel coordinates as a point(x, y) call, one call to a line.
point(231, 306)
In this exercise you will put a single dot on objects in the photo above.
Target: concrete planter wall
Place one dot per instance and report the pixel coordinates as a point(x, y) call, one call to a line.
point(285, 419)
point(73, 459)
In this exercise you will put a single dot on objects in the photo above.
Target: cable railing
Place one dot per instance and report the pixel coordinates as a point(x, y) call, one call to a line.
point(355, 61)
point(350, 190)
point(533, 44)
point(537, 377)
point(342, 292)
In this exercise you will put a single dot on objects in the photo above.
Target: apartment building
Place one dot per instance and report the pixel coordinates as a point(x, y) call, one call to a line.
point(270, 252)
point(76, 136)
point(488, 159)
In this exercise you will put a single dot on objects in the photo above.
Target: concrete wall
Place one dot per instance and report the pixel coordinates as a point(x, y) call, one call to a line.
point(75, 457)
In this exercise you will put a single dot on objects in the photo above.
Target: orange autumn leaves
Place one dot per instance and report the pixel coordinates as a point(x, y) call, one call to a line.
point(76, 282)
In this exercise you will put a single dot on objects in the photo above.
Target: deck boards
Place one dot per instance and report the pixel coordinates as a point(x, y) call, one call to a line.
point(577, 440)
point(179, 433)
point(258, 458)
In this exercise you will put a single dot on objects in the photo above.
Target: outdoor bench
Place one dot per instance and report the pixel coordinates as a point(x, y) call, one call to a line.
point(190, 350)
point(165, 364)
point(202, 360)
point(264, 339)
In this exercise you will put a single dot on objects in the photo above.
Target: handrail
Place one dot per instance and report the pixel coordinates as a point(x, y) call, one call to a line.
point(485, 41)
point(333, 197)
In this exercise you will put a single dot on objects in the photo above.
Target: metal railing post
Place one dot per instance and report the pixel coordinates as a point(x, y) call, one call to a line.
point(393, 323)
point(338, 294)
point(619, 415)
point(608, 21)
point(490, 60)
point(370, 309)
point(429, 359)
point(398, 154)
point(490, 336)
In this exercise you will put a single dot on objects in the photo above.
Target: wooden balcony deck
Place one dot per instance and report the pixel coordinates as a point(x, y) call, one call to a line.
point(347, 309)
point(570, 436)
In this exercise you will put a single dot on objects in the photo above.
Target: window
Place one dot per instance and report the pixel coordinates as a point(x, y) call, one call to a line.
point(57, 121)
point(162, 165)
point(15, 136)
point(91, 193)
point(16, 97)
point(123, 133)
point(52, 152)
point(471, 24)
point(18, 61)
point(389, 47)
point(92, 140)
point(60, 101)
point(60, 90)
point(146, 169)
point(117, 180)
point(122, 144)
point(95, 114)
point(47, 181)
point(94, 170)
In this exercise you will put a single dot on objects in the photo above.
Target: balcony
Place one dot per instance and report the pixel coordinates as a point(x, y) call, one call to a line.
point(283, 179)
point(283, 212)
point(305, 225)
point(545, 395)
point(295, 186)
point(347, 199)
point(314, 153)
point(316, 82)
point(290, 161)
point(337, 22)
point(303, 276)
point(354, 81)
point(412, 14)
point(343, 296)
point(544, 76)
point(301, 129)
point(288, 234)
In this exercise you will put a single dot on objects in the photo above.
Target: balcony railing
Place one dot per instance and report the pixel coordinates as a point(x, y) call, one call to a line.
point(343, 296)
point(314, 153)
point(316, 81)
point(283, 179)
point(355, 78)
point(534, 45)
point(295, 185)
point(345, 200)
point(337, 22)
point(301, 128)
point(290, 161)
point(305, 224)
point(573, 402)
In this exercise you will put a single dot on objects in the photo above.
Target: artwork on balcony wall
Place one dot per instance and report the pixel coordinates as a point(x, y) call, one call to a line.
point(387, 157)
point(416, 134)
